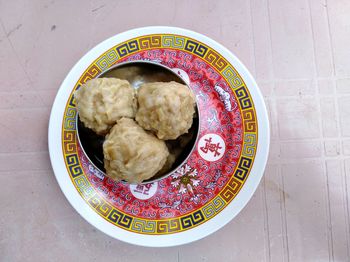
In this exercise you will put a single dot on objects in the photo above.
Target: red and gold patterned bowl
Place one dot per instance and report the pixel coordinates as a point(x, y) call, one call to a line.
point(220, 174)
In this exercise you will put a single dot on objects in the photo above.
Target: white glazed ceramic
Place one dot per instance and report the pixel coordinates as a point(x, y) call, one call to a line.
point(219, 177)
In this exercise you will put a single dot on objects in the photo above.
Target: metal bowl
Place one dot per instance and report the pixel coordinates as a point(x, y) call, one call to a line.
point(138, 73)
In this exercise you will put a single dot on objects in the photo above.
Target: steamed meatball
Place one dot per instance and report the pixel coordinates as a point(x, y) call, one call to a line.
point(168, 164)
point(102, 101)
point(176, 149)
point(131, 153)
point(166, 109)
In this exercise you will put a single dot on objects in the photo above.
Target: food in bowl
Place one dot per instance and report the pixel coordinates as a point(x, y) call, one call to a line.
point(166, 109)
point(131, 153)
point(101, 102)
point(176, 149)
point(134, 151)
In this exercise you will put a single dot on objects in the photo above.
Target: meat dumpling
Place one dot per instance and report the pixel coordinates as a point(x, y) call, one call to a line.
point(103, 101)
point(166, 109)
point(131, 153)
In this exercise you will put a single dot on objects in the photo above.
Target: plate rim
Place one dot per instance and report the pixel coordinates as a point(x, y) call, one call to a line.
point(201, 231)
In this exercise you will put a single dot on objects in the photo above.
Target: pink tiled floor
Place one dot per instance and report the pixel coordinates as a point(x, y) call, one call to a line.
point(298, 52)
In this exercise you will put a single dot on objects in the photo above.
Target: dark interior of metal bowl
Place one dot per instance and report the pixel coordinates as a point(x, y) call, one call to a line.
point(138, 73)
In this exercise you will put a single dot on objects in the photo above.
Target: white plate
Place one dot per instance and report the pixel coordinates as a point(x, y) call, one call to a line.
point(220, 175)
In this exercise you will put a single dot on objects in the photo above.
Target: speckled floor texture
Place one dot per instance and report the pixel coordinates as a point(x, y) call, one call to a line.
point(299, 53)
